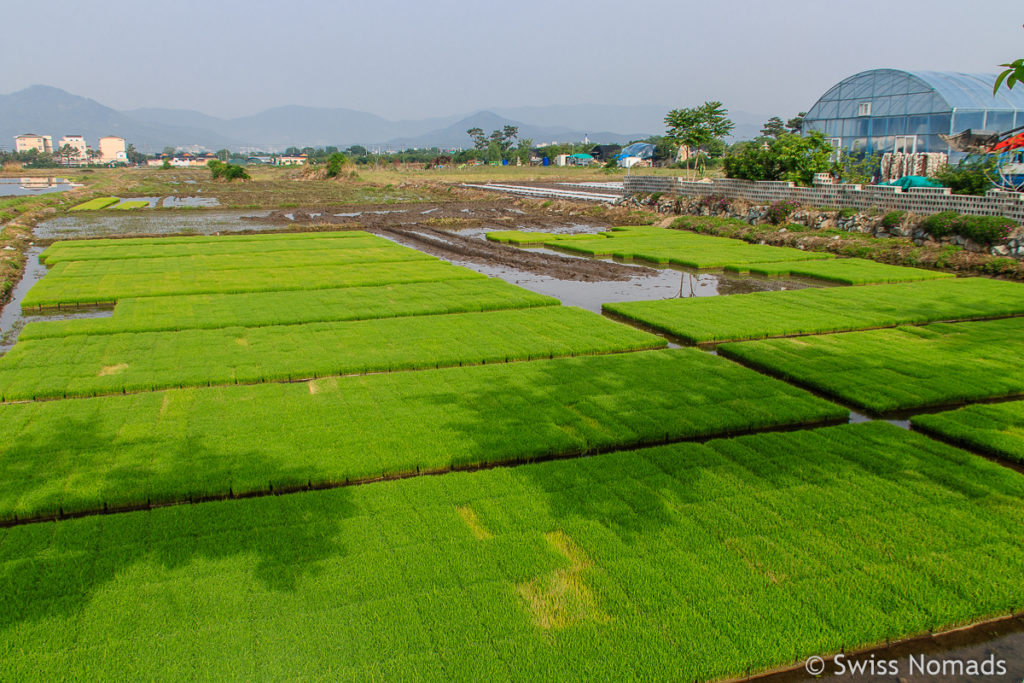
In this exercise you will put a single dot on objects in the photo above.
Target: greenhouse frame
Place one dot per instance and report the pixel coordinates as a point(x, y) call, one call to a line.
point(889, 110)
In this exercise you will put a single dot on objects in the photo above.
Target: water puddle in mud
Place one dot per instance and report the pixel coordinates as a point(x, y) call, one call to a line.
point(13, 319)
point(665, 283)
point(32, 185)
point(152, 223)
point(190, 202)
point(923, 659)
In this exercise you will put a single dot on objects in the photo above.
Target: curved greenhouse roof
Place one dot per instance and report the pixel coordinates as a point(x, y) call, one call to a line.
point(895, 110)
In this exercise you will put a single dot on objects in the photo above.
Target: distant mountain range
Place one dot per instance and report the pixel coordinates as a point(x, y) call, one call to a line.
point(51, 111)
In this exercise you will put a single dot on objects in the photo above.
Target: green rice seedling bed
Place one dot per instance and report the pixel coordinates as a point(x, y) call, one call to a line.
point(149, 247)
point(996, 429)
point(691, 255)
point(900, 368)
point(53, 290)
point(117, 451)
point(834, 309)
point(374, 250)
point(86, 365)
point(209, 311)
point(660, 245)
point(96, 204)
point(699, 561)
point(134, 204)
point(847, 271)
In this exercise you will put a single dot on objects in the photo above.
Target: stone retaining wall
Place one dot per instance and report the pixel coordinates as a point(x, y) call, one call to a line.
point(923, 201)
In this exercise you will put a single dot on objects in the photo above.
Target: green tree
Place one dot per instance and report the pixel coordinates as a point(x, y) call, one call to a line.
point(796, 124)
point(134, 155)
point(773, 128)
point(789, 157)
point(357, 151)
point(169, 151)
point(222, 154)
point(1013, 75)
point(973, 175)
point(698, 126)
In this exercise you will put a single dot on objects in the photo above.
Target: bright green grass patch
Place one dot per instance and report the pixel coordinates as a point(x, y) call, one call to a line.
point(660, 245)
point(96, 204)
point(712, 560)
point(207, 245)
point(849, 271)
point(168, 446)
point(164, 314)
point(52, 290)
point(114, 363)
point(135, 204)
point(901, 368)
point(996, 429)
point(371, 250)
point(834, 309)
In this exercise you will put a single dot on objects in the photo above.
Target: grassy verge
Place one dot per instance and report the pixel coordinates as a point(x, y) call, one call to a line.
point(715, 560)
point(835, 309)
point(995, 429)
point(85, 365)
point(211, 311)
point(176, 445)
point(900, 368)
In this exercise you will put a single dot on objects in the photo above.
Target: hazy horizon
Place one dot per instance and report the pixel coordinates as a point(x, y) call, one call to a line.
point(411, 60)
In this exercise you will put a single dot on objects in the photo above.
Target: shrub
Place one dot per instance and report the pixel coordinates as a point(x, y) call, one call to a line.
point(846, 212)
point(893, 218)
point(971, 176)
point(334, 164)
point(713, 202)
point(981, 229)
point(780, 210)
point(229, 172)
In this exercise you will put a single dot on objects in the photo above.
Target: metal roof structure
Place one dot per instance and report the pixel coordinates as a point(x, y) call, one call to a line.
point(896, 110)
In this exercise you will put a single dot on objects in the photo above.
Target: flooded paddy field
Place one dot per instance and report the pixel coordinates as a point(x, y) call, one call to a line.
point(28, 186)
point(142, 223)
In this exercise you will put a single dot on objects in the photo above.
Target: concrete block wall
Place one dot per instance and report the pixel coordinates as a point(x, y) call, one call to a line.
point(923, 201)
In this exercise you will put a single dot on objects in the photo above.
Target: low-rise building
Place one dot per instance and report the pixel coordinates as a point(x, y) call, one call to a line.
point(29, 141)
point(79, 150)
point(291, 160)
point(113, 150)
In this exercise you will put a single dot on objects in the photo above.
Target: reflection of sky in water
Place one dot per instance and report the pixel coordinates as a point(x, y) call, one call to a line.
point(17, 187)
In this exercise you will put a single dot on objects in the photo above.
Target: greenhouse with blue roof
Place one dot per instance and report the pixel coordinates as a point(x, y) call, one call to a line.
point(889, 110)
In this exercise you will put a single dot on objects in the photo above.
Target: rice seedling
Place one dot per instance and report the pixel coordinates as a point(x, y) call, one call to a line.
point(204, 245)
point(114, 451)
point(133, 204)
point(257, 309)
point(90, 365)
point(994, 429)
point(701, 562)
point(96, 204)
point(54, 290)
point(847, 271)
point(899, 368)
point(835, 309)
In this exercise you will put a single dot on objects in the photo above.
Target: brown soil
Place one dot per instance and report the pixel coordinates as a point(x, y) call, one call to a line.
point(430, 226)
point(451, 246)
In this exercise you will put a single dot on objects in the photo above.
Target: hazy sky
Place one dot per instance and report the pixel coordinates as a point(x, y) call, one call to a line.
point(423, 58)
